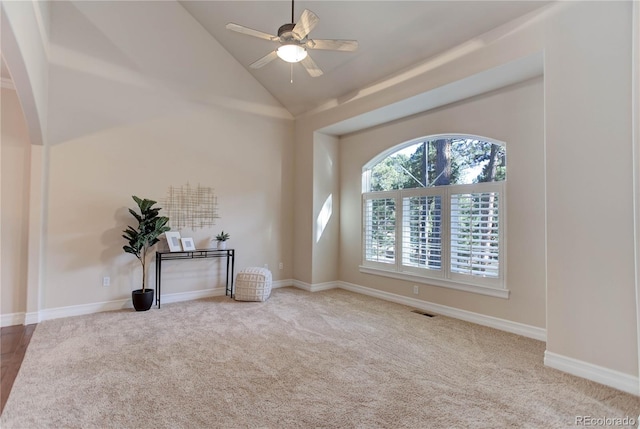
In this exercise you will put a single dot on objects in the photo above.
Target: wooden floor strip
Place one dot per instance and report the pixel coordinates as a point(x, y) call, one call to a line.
point(14, 341)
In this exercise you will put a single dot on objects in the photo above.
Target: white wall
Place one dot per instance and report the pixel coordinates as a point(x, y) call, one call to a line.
point(513, 115)
point(15, 155)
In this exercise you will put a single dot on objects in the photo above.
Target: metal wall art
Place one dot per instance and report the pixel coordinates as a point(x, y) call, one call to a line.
point(191, 207)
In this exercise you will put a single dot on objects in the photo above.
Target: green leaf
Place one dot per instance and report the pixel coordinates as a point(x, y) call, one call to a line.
point(136, 215)
point(150, 226)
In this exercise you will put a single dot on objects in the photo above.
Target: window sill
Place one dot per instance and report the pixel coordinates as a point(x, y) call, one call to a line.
point(482, 290)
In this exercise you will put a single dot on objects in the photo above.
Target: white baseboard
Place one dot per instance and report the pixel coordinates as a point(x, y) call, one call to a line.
point(12, 319)
point(281, 283)
point(480, 319)
point(98, 307)
point(609, 377)
point(492, 322)
point(315, 287)
point(31, 318)
point(79, 310)
point(82, 309)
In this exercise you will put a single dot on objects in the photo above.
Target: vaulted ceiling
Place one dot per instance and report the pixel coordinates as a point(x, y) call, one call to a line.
point(392, 36)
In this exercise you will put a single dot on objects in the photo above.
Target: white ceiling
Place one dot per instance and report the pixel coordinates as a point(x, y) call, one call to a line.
point(392, 36)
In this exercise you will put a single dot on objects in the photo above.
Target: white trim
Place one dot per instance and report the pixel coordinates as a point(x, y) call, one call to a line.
point(98, 307)
point(12, 319)
point(483, 290)
point(31, 318)
point(609, 377)
point(315, 287)
point(281, 283)
point(493, 322)
point(82, 309)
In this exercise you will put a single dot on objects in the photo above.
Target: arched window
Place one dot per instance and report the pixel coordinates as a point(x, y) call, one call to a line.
point(433, 211)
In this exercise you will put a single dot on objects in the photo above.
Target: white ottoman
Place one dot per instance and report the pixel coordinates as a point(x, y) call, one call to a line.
point(253, 284)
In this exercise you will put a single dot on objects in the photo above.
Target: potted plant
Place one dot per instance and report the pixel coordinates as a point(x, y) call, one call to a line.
point(141, 239)
point(222, 240)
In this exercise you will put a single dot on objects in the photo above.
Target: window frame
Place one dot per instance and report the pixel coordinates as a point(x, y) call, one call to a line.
point(445, 277)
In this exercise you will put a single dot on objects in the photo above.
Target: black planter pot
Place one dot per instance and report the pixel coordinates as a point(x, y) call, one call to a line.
point(142, 301)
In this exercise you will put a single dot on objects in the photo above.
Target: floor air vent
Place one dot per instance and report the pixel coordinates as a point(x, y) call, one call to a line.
point(423, 313)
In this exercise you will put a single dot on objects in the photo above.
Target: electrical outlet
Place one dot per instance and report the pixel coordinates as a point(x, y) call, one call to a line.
point(106, 281)
point(266, 266)
point(281, 265)
point(415, 289)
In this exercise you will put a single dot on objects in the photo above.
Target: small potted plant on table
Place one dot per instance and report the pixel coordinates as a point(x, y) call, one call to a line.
point(141, 239)
point(222, 240)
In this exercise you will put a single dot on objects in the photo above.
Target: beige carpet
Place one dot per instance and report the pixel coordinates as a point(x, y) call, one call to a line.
point(330, 359)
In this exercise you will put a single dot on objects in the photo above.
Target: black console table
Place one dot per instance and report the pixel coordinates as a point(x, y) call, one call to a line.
point(229, 254)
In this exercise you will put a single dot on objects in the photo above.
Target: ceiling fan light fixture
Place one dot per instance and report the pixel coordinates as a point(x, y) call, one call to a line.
point(292, 53)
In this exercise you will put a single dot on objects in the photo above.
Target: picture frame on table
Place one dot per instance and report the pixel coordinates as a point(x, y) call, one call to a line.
point(188, 244)
point(173, 240)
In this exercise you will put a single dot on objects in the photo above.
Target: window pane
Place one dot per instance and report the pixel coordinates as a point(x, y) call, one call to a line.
point(438, 162)
point(422, 232)
point(474, 234)
point(400, 170)
point(477, 161)
point(380, 230)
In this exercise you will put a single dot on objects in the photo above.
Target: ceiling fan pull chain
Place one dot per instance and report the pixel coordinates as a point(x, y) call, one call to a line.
point(291, 64)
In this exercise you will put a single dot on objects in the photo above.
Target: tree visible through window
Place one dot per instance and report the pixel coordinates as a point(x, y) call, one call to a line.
point(433, 208)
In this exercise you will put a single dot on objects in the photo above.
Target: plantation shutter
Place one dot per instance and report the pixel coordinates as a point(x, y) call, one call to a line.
point(422, 231)
point(475, 236)
point(379, 229)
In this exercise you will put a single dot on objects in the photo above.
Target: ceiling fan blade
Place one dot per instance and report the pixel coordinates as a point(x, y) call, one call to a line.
point(250, 32)
point(264, 60)
point(311, 67)
point(332, 45)
point(307, 22)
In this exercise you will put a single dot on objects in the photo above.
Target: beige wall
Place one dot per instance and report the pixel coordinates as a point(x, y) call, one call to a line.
point(513, 115)
point(129, 119)
point(25, 48)
point(88, 200)
point(588, 95)
point(326, 208)
point(590, 307)
point(15, 157)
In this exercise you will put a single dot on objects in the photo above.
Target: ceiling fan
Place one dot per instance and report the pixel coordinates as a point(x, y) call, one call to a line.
point(294, 42)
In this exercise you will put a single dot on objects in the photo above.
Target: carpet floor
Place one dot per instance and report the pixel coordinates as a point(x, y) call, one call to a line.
point(330, 359)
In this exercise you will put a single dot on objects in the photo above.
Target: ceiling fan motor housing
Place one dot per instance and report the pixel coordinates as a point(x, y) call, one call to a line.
point(285, 32)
